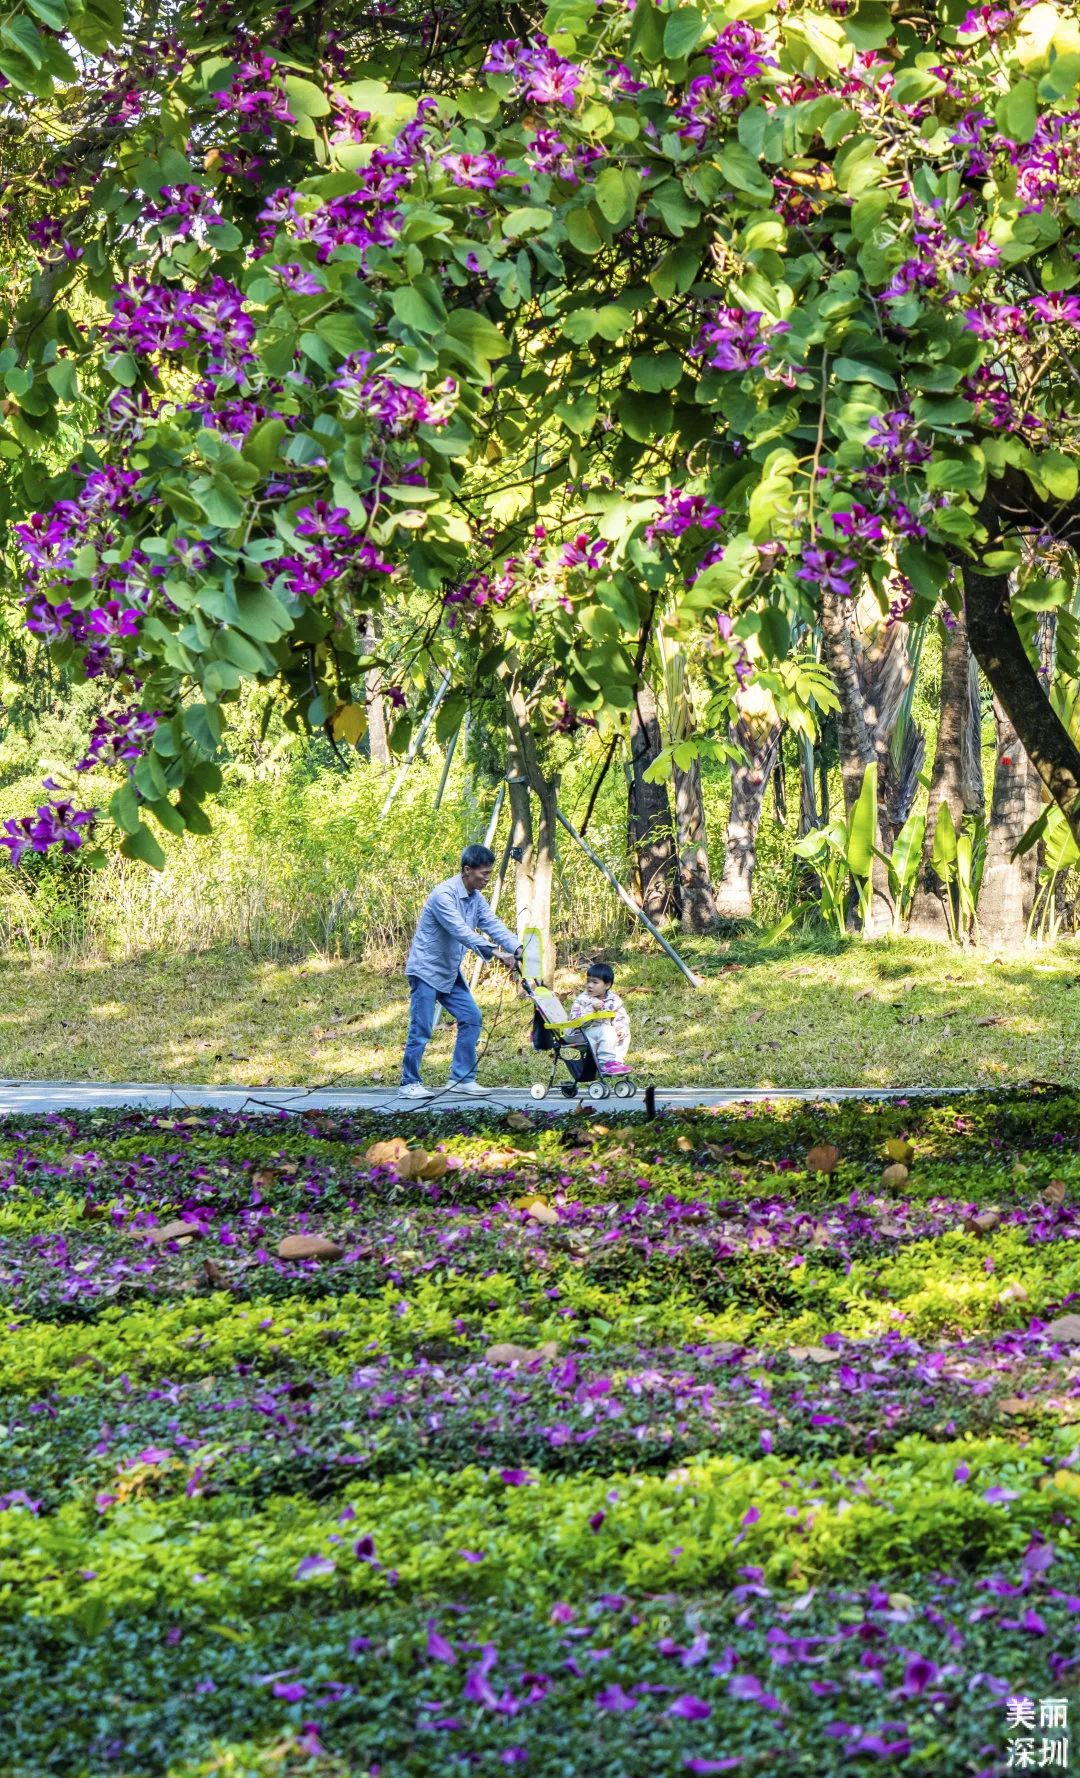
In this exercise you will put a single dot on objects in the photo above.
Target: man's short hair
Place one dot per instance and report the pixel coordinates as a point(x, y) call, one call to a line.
point(600, 972)
point(477, 858)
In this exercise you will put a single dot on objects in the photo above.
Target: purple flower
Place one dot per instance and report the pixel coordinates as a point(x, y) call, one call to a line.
point(918, 1674)
point(733, 339)
point(291, 1690)
point(688, 1706)
point(828, 569)
point(540, 74)
point(310, 1565)
point(614, 1698)
point(438, 1649)
point(998, 1494)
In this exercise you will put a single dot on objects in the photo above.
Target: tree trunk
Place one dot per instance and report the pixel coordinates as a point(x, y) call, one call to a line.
point(695, 881)
point(808, 806)
point(857, 748)
point(535, 873)
point(760, 743)
point(378, 745)
point(657, 879)
point(952, 777)
point(1008, 883)
point(996, 645)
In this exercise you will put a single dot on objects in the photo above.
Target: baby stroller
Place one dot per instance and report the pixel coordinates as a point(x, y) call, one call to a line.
point(565, 1038)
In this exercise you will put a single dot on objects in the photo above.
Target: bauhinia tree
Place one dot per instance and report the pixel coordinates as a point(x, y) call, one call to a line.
point(756, 308)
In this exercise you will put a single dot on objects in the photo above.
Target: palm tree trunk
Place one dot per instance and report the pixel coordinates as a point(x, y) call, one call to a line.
point(953, 777)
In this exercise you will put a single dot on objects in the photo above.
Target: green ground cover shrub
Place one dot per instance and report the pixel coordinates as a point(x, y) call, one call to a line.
point(672, 1445)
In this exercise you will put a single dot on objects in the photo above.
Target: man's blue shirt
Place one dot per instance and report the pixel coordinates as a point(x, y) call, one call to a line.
point(451, 923)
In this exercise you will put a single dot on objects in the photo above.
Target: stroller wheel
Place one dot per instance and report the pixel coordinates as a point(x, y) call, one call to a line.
point(569, 1089)
point(538, 1090)
point(598, 1090)
point(625, 1089)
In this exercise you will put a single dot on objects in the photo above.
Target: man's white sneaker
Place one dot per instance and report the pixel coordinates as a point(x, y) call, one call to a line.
point(467, 1086)
point(415, 1090)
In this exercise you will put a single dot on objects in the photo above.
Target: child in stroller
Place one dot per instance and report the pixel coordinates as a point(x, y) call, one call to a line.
point(591, 1041)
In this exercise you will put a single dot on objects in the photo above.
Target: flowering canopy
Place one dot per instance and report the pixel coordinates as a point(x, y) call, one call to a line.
point(695, 313)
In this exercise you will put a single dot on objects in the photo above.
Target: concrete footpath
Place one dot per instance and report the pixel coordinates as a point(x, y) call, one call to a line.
point(26, 1096)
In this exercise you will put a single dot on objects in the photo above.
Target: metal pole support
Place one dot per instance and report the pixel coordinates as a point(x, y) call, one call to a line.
point(414, 746)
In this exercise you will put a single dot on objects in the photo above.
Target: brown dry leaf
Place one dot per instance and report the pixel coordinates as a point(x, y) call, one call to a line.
point(894, 1175)
point(900, 1150)
point(1013, 1293)
point(983, 1221)
point(818, 1354)
point(387, 1154)
point(992, 1018)
point(867, 994)
point(508, 1353)
point(412, 1163)
point(1054, 1193)
point(172, 1231)
point(541, 1212)
point(754, 1018)
point(264, 1179)
point(437, 1165)
point(309, 1247)
point(891, 1228)
point(1014, 1404)
point(824, 1157)
point(517, 1120)
point(1065, 1328)
point(684, 1145)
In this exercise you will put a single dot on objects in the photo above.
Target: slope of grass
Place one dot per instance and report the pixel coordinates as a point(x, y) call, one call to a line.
point(893, 1013)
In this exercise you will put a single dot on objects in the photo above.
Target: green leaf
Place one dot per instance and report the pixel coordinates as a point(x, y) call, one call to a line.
point(862, 833)
point(234, 647)
point(344, 332)
point(528, 220)
point(53, 13)
point(742, 171)
point(304, 98)
point(955, 473)
point(616, 193)
point(644, 417)
point(63, 379)
point(1017, 113)
point(943, 855)
point(476, 331)
point(1057, 473)
point(220, 502)
point(142, 844)
point(582, 232)
point(124, 807)
point(203, 723)
point(261, 445)
point(656, 371)
point(854, 370)
point(149, 778)
point(413, 310)
point(682, 32)
point(261, 614)
point(24, 37)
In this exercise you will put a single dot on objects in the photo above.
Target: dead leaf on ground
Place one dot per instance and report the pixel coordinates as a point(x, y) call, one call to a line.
point(824, 1157)
point(866, 994)
point(544, 1213)
point(517, 1120)
point(309, 1247)
point(508, 1353)
point(894, 1175)
point(754, 1018)
point(899, 1149)
point(172, 1231)
point(983, 1221)
point(1013, 1293)
point(1066, 1328)
point(817, 1354)
point(1014, 1404)
point(990, 1019)
point(386, 1154)
point(411, 1164)
point(1054, 1193)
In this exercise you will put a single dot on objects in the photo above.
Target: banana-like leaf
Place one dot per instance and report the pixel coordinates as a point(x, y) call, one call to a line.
point(1062, 851)
point(862, 829)
point(906, 855)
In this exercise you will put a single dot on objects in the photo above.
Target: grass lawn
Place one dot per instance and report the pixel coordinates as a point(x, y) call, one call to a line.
point(893, 1013)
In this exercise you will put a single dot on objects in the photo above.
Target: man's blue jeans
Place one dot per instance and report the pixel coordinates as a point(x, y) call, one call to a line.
point(462, 1008)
